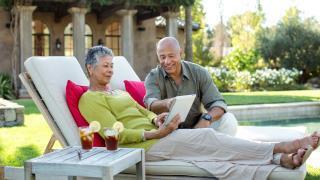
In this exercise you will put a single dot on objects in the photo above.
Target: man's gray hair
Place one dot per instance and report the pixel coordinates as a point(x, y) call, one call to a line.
point(95, 53)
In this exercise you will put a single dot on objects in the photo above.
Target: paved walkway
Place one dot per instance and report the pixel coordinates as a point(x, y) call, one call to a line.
point(314, 159)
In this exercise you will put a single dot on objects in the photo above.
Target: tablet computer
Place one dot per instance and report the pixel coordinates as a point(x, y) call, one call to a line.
point(181, 105)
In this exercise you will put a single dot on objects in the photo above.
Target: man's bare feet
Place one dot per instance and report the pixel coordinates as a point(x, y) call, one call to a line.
point(292, 147)
point(293, 160)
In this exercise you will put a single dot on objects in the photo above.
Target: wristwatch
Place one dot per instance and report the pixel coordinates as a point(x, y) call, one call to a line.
point(206, 117)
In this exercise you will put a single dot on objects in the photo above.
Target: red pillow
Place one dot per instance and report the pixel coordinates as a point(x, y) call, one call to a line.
point(136, 89)
point(73, 94)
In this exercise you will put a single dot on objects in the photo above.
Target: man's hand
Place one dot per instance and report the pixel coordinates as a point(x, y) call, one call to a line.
point(202, 124)
point(216, 113)
point(159, 120)
point(160, 106)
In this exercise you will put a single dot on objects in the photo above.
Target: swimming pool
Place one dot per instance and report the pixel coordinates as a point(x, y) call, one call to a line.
point(312, 124)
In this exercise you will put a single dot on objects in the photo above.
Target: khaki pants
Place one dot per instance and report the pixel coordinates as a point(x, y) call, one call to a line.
point(227, 124)
point(223, 156)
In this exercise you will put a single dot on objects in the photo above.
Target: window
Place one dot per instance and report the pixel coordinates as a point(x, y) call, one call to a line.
point(113, 38)
point(88, 37)
point(68, 39)
point(40, 39)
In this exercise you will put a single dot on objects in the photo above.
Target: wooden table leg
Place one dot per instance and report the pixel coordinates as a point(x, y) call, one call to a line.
point(28, 171)
point(140, 170)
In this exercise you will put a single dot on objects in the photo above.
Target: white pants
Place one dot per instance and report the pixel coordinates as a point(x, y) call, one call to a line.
point(227, 124)
point(224, 156)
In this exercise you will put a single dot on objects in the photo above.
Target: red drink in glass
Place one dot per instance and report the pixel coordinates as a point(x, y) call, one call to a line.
point(111, 139)
point(86, 137)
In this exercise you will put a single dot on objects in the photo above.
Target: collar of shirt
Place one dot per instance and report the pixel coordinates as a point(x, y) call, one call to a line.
point(185, 71)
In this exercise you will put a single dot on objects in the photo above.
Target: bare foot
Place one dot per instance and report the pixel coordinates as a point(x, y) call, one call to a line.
point(293, 160)
point(291, 147)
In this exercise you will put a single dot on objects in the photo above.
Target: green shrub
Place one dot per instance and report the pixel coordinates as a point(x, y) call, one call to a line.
point(272, 79)
point(261, 79)
point(239, 60)
point(6, 90)
point(230, 81)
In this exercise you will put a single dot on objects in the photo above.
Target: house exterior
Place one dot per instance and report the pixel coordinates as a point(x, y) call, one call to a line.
point(70, 27)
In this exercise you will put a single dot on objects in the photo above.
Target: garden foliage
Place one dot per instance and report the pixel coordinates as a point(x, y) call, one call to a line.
point(261, 79)
point(293, 43)
point(6, 90)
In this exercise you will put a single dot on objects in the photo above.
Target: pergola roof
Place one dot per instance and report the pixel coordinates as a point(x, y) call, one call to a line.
point(102, 11)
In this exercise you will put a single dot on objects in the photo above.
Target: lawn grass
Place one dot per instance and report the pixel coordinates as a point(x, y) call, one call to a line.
point(312, 173)
point(265, 97)
point(18, 144)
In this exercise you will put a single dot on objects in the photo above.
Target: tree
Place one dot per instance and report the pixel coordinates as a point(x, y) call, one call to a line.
point(293, 43)
point(244, 28)
point(188, 32)
point(202, 38)
point(202, 43)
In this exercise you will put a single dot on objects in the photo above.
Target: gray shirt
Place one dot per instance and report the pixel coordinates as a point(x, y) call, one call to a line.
point(195, 80)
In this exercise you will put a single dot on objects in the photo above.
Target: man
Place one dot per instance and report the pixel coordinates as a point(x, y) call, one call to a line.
point(175, 77)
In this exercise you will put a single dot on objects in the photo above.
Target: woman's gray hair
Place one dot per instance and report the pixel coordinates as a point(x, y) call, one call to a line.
point(95, 53)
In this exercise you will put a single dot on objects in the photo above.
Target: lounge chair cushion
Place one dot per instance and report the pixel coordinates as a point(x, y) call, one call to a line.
point(122, 71)
point(73, 94)
point(136, 89)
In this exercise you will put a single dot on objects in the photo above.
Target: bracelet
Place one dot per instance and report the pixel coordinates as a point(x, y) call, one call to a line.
point(154, 120)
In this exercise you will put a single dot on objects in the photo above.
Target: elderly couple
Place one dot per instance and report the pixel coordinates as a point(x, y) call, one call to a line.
point(204, 139)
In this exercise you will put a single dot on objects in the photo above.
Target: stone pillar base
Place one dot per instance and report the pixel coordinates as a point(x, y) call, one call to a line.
point(23, 93)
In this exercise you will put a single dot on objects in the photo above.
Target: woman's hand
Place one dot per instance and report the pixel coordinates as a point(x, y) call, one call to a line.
point(159, 120)
point(163, 130)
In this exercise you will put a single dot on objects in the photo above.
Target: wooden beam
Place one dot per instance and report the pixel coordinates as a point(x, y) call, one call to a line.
point(50, 144)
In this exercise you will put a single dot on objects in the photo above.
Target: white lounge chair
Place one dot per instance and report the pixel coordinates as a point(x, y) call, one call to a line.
point(46, 80)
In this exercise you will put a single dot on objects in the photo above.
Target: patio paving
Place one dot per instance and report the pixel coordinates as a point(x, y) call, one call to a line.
point(314, 159)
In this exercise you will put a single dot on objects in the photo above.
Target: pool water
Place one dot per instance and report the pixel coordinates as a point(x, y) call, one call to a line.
point(311, 124)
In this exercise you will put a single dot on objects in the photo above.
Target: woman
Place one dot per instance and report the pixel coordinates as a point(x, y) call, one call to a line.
point(223, 156)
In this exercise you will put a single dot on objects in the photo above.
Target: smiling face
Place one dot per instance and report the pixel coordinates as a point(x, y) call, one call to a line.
point(102, 72)
point(168, 51)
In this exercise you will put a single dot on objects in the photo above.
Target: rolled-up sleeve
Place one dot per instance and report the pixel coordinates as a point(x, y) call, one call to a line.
point(211, 95)
point(152, 89)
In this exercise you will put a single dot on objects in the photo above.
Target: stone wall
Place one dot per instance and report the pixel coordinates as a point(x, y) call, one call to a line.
point(6, 42)
point(11, 114)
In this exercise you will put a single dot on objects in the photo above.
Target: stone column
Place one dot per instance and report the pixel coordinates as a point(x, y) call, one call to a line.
point(127, 36)
point(78, 27)
point(171, 23)
point(25, 31)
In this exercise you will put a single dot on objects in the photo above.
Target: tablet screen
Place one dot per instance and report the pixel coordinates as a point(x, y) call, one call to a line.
point(181, 105)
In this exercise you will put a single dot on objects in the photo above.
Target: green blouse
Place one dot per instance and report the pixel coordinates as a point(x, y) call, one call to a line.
point(119, 106)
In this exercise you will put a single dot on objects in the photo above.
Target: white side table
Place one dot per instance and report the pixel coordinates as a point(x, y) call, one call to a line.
point(97, 162)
